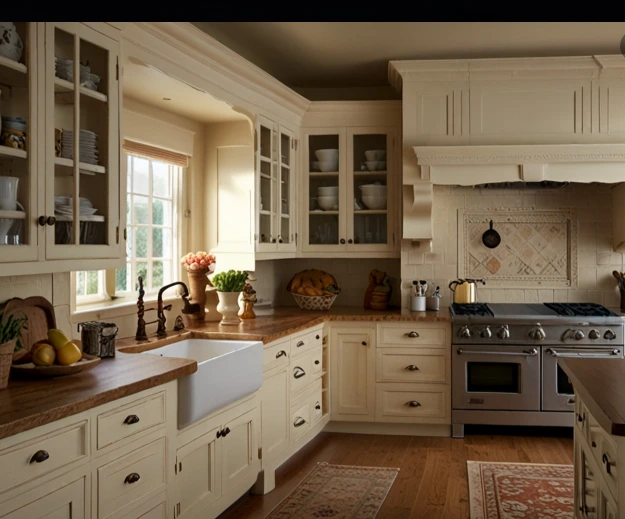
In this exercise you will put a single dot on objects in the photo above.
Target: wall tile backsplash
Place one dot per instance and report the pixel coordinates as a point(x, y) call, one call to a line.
point(596, 260)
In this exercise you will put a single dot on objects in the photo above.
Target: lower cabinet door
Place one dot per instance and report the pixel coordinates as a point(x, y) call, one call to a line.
point(275, 414)
point(154, 509)
point(239, 450)
point(66, 502)
point(198, 478)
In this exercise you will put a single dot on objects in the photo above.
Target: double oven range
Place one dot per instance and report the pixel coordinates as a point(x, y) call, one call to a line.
point(505, 359)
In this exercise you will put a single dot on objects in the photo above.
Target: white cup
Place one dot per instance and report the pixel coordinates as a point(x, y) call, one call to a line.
point(8, 187)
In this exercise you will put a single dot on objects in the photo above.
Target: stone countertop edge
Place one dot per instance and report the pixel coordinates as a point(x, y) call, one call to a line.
point(275, 324)
point(26, 404)
point(599, 383)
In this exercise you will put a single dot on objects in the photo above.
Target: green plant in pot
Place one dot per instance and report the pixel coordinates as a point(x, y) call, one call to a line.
point(229, 286)
point(11, 328)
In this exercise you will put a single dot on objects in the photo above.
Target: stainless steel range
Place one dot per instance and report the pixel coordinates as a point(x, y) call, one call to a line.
point(505, 359)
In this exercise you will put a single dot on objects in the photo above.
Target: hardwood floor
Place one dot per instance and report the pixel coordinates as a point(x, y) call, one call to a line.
point(432, 481)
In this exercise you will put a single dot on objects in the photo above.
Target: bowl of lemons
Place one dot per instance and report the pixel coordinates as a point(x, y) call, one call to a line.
point(53, 357)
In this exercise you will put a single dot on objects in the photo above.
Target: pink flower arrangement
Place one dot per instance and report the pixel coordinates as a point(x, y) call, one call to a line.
point(199, 261)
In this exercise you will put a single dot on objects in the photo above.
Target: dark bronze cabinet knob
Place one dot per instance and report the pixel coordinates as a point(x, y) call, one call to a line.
point(132, 478)
point(51, 220)
point(317, 337)
point(364, 343)
point(342, 241)
point(412, 367)
point(131, 419)
point(226, 432)
point(42, 220)
point(219, 434)
point(316, 363)
point(350, 241)
point(39, 457)
point(414, 403)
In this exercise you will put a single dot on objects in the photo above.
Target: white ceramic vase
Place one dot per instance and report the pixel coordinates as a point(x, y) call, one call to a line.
point(228, 307)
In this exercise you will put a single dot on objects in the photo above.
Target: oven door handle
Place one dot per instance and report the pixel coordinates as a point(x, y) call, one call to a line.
point(577, 354)
point(525, 353)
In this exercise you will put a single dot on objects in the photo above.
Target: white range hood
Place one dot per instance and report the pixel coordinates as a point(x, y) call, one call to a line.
point(481, 164)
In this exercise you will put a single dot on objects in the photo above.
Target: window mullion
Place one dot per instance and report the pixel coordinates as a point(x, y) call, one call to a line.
point(149, 228)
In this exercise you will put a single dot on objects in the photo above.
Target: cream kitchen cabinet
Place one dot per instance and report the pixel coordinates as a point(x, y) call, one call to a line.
point(276, 218)
point(41, 239)
point(275, 412)
point(217, 461)
point(352, 374)
point(339, 217)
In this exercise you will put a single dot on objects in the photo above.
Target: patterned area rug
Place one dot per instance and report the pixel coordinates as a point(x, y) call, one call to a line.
point(520, 490)
point(337, 491)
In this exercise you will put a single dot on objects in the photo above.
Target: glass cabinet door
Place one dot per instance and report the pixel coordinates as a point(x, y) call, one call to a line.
point(324, 160)
point(18, 143)
point(286, 217)
point(82, 143)
point(370, 182)
point(267, 175)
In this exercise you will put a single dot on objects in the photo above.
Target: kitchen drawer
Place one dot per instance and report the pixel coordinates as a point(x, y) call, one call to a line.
point(301, 372)
point(116, 489)
point(276, 354)
point(54, 450)
point(411, 403)
point(412, 335)
point(410, 365)
point(154, 509)
point(305, 342)
point(300, 421)
point(130, 419)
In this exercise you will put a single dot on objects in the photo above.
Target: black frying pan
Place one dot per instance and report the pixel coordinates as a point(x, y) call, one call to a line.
point(491, 237)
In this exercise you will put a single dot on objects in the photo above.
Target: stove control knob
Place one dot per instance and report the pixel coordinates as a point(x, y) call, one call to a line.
point(486, 333)
point(464, 332)
point(609, 335)
point(538, 334)
point(578, 335)
point(503, 332)
point(594, 335)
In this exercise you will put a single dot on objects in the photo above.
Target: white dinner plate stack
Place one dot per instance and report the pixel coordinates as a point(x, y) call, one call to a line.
point(88, 146)
point(63, 206)
point(65, 70)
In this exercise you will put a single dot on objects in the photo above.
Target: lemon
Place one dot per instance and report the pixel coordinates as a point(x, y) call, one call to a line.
point(57, 338)
point(68, 354)
point(43, 354)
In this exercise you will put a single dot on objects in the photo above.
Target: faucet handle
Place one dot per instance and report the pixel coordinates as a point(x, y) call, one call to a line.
point(168, 308)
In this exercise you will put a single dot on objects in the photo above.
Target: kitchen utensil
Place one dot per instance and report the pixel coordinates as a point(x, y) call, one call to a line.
point(491, 237)
point(432, 303)
point(98, 338)
point(465, 290)
point(424, 286)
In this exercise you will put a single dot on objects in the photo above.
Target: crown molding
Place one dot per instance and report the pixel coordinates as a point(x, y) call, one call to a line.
point(354, 106)
point(401, 71)
point(188, 39)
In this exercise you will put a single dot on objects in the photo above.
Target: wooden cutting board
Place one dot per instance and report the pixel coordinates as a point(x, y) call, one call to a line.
point(40, 314)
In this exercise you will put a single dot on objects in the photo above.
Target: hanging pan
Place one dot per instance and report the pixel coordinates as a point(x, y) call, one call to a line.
point(491, 237)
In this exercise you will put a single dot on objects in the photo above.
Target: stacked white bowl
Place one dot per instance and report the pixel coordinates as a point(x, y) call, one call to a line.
point(374, 196)
point(375, 160)
point(328, 159)
point(328, 198)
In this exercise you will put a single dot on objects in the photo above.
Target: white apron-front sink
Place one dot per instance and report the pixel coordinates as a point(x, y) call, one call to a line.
point(226, 372)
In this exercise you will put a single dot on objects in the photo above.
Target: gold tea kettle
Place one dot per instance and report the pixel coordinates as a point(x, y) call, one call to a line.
point(465, 290)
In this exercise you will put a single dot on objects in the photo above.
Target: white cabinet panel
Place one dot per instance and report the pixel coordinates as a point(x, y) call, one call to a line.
point(275, 413)
point(239, 456)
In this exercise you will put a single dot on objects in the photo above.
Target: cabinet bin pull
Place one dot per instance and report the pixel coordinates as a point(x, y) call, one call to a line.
point(281, 353)
point(131, 419)
point(414, 403)
point(132, 478)
point(412, 367)
point(608, 464)
point(411, 335)
point(299, 421)
point(300, 344)
point(39, 457)
point(298, 372)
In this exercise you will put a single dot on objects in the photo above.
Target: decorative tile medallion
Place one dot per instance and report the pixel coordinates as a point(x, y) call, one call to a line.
point(537, 249)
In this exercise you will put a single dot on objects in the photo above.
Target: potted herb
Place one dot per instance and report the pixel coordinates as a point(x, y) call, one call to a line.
point(229, 286)
point(10, 330)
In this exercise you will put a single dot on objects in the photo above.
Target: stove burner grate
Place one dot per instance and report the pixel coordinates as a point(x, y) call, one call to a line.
point(481, 309)
point(580, 309)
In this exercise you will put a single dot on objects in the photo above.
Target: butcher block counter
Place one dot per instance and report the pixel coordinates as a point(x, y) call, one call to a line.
point(601, 385)
point(271, 325)
point(26, 404)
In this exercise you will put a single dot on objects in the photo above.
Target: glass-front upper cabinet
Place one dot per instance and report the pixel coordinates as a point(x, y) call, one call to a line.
point(349, 187)
point(18, 143)
point(275, 188)
point(82, 143)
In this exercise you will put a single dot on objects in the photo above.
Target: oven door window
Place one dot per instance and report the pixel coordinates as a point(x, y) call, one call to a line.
point(493, 377)
point(563, 383)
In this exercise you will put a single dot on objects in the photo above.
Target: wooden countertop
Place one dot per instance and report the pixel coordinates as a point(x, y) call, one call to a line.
point(600, 383)
point(276, 323)
point(26, 404)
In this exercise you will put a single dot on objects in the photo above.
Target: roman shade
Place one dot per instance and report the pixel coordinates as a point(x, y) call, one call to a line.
point(154, 153)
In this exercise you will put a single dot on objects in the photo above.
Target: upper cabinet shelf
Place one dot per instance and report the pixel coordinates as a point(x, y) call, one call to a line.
point(63, 89)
